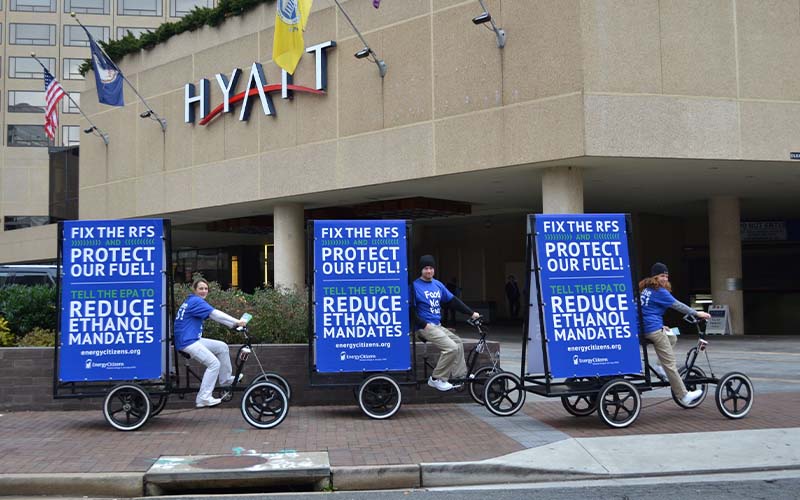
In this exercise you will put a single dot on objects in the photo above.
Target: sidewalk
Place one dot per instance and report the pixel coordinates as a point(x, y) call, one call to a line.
point(449, 444)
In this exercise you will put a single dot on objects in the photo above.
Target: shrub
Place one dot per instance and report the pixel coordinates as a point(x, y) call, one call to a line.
point(27, 307)
point(280, 316)
point(6, 337)
point(38, 337)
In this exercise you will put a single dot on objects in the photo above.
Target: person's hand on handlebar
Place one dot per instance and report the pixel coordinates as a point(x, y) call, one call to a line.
point(475, 315)
point(703, 315)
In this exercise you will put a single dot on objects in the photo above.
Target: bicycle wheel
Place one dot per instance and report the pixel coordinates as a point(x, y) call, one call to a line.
point(504, 394)
point(734, 395)
point(695, 373)
point(277, 380)
point(619, 403)
point(264, 405)
point(379, 397)
point(477, 381)
point(126, 407)
point(581, 405)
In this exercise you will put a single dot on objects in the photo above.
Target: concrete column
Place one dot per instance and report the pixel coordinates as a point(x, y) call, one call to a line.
point(725, 253)
point(290, 246)
point(562, 190)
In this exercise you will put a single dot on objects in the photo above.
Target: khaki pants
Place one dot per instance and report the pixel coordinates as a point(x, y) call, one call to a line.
point(663, 345)
point(451, 361)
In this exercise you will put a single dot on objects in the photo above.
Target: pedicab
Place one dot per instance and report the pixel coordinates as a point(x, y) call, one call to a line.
point(360, 326)
point(581, 334)
point(115, 319)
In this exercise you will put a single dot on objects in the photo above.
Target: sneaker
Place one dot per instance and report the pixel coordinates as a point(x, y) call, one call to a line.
point(440, 385)
point(238, 380)
point(207, 403)
point(660, 371)
point(691, 396)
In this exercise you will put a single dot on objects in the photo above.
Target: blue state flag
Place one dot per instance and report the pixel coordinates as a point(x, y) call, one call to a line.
point(106, 74)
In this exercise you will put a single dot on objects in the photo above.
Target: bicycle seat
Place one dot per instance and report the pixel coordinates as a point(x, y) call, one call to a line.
point(185, 355)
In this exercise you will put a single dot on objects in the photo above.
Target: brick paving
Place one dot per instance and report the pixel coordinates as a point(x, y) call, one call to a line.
point(82, 441)
point(660, 415)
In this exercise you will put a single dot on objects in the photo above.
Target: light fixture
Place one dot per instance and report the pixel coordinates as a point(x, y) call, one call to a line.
point(366, 52)
point(486, 17)
point(482, 18)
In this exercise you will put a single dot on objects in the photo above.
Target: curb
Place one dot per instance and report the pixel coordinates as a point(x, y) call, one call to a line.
point(376, 477)
point(472, 473)
point(122, 484)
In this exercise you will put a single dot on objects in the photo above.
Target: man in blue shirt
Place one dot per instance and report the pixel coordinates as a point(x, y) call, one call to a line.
point(656, 298)
point(429, 296)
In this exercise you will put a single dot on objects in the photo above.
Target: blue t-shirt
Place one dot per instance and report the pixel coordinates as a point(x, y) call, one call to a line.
point(654, 304)
point(189, 321)
point(428, 299)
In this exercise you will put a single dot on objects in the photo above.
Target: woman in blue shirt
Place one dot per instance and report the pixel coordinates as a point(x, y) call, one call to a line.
point(656, 298)
point(214, 354)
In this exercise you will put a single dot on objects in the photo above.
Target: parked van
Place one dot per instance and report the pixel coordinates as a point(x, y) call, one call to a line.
point(28, 275)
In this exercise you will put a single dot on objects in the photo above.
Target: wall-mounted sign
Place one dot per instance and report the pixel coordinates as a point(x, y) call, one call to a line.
point(256, 85)
point(763, 230)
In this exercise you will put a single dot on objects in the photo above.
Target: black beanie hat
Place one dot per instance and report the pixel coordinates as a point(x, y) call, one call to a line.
point(658, 268)
point(425, 261)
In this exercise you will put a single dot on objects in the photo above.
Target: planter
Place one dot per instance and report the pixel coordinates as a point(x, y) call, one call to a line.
point(26, 379)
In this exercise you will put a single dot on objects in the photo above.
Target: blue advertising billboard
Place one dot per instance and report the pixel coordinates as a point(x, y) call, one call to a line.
point(590, 312)
point(113, 289)
point(361, 319)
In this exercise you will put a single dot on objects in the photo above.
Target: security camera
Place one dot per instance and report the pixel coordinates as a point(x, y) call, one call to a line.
point(482, 18)
point(88, 130)
point(145, 114)
point(361, 54)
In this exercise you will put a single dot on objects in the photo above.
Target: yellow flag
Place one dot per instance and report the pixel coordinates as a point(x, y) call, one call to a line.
point(290, 22)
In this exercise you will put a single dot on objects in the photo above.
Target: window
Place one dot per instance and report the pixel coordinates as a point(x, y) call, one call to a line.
point(32, 34)
point(70, 135)
point(11, 222)
point(136, 32)
point(179, 8)
point(33, 5)
point(88, 6)
point(74, 36)
point(71, 69)
point(68, 107)
point(26, 101)
point(27, 67)
point(27, 136)
point(139, 8)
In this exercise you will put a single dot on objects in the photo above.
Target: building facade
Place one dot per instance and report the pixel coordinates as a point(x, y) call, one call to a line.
point(682, 113)
point(46, 28)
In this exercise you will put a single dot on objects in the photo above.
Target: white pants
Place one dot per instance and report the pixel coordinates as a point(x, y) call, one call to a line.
point(217, 360)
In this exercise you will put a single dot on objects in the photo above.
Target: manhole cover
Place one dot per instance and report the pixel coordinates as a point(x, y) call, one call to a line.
point(230, 462)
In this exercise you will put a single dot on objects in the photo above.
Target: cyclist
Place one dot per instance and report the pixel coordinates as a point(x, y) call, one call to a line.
point(656, 299)
point(213, 354)
point(429, 296)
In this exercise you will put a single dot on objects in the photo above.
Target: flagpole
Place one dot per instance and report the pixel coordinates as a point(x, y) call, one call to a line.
point(367, 50)
point(150, 113)
point(94, 129)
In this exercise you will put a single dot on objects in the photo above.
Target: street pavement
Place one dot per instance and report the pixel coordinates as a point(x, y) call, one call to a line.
point(445, 443)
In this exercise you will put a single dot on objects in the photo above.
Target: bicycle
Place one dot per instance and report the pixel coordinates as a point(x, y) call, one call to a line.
point(264, 404)
point(379, 395)
point(617, 398)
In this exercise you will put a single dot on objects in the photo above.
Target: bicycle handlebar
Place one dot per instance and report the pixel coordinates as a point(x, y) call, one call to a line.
point(477, 322)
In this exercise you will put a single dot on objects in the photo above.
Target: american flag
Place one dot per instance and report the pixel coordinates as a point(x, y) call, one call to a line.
point(53, 93)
